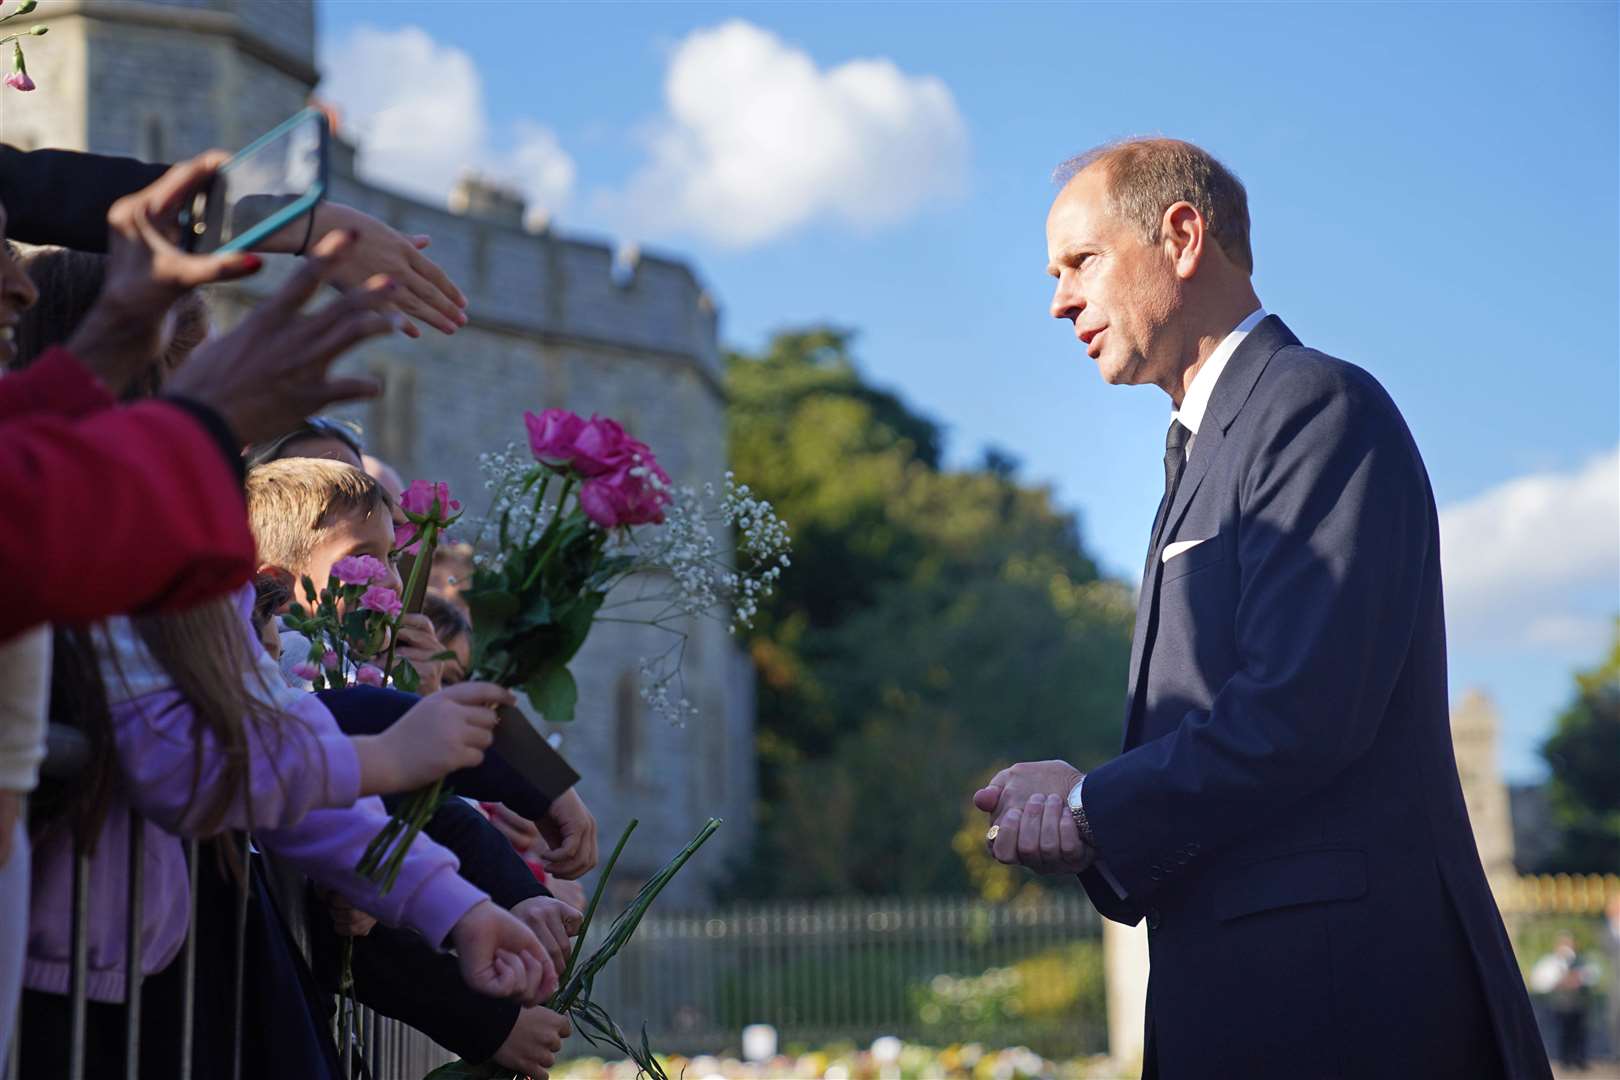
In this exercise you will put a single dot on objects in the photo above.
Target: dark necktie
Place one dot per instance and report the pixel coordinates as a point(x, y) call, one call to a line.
point(1175, 463)
point(1175, 459)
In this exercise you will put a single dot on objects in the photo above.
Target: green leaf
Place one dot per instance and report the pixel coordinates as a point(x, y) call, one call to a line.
point(491, 609)
point(576, 622)
point(406, 677)
point(553, 693)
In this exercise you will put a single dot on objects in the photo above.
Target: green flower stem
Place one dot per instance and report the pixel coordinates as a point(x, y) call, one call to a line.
point(549, 537)
point(539, 499)
point(428, 534)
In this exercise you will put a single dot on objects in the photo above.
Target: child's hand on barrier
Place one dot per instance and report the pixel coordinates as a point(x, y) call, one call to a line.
point(440, 734)
point(536, 1040)
point(499, 956)
point(522, 832)
point(348, 920)
point(569, 832)
point(553, 922)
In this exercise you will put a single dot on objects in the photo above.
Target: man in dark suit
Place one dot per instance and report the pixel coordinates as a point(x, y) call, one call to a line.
point(1286, 813)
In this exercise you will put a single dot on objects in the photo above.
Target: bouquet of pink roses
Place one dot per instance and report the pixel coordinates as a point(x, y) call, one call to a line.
point(534, 603)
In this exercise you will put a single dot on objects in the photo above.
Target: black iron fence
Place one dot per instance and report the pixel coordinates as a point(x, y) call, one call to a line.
point(392, 1050)
point(941, 971)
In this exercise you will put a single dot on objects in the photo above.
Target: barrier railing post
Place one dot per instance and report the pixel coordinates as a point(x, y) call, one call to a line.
point(132, 950)
point(243, 892)
point(188, 988)
point(78, 991)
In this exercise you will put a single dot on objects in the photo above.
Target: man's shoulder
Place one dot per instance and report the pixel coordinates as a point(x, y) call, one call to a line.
point(1300, 378)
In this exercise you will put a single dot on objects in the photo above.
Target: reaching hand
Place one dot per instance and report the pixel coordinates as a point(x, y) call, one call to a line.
point(438, 735)
point(519, 830)
point(536, 1040)
point(425, 292)
point(499, 956)
point(553, 922)
point(569, 832)
point(348, 920)
point(269, 372)
point(418, 644)
point(147, 272)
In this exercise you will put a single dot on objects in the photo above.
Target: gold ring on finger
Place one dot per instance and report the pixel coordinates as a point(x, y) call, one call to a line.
point(995, 831)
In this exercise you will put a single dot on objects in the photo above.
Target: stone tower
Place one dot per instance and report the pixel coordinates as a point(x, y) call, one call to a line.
point(1474, 726)
point(556, 321)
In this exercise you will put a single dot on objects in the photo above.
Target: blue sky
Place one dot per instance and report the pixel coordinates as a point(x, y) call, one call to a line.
point(1433, 190)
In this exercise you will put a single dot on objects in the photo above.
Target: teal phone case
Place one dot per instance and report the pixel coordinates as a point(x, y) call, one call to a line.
point(299, 206)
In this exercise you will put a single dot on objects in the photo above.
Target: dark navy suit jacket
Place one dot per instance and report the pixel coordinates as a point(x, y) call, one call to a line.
point(1286, 813)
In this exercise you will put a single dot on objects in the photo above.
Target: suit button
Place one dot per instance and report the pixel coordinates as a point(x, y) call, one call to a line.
point(1153, 918)
point(1155, 873)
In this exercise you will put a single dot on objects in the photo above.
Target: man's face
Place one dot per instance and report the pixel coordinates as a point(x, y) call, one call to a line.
point(1120, 292)
point(17, 295)
point(358, 534)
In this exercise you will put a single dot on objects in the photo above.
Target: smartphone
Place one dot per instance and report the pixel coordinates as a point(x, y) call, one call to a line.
point(275, 180)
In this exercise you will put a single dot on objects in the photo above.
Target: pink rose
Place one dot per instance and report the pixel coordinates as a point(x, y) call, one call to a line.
point(552, 434)
point(359, 569)
point(602, 446)
point(329, 659)
point(634, 495)
point(383, 600)
point(369, 675)
point(421, 495)
point(306, 671)
point(405, 538)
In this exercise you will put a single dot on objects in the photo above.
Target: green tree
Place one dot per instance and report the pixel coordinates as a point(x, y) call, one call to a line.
point(935, 625)
point(1584, 755)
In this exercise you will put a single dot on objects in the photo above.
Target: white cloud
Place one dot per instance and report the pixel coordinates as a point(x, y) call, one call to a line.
point(1536, 561)
point(416, 108)
point(758, 141)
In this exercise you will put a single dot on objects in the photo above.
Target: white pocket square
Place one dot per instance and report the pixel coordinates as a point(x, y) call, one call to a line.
point(1181, 547)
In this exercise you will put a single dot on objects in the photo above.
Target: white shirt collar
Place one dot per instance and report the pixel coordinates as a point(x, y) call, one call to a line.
point(1191, 413)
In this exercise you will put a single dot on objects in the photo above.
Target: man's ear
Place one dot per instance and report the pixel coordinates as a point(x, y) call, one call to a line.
point(1183, 232)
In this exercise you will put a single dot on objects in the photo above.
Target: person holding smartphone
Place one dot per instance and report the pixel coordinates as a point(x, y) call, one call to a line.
point(63, 196)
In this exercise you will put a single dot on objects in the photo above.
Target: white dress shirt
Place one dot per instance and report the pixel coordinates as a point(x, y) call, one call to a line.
point(1191, 413)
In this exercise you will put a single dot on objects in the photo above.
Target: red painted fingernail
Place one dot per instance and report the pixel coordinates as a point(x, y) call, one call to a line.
point(250, 262)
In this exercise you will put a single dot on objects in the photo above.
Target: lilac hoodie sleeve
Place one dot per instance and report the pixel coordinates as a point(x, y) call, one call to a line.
point(430, 897)
point(295, 767)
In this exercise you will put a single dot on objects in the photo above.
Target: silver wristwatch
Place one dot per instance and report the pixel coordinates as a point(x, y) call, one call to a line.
point(1077, 810)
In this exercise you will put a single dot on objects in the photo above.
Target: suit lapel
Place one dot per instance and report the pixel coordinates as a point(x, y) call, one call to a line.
point(1237, 382)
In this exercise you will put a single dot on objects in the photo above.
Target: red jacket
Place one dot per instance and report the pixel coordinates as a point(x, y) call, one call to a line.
point(112, 509)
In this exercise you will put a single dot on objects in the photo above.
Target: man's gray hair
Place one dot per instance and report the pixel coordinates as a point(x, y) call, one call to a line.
point(1147, 176)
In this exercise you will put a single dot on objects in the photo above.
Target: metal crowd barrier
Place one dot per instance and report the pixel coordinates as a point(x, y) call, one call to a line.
point(392, 1050)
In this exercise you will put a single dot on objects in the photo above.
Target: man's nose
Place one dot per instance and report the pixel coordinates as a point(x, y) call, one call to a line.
point(1066, 300)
